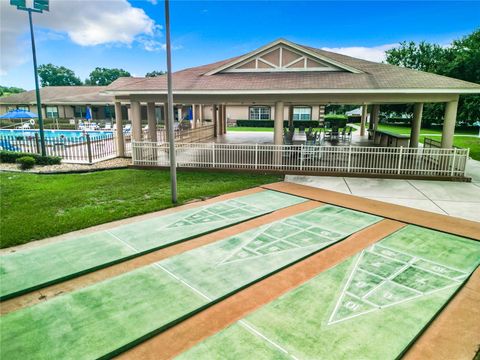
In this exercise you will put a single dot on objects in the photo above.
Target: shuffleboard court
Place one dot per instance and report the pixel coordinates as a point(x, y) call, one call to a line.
point(27, 270)
point(373, 305)
point(106, 318)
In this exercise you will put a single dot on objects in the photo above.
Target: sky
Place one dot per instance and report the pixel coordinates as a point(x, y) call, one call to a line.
point(84, 34)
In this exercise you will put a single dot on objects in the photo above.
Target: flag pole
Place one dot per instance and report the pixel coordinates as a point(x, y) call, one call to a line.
point(171, 137)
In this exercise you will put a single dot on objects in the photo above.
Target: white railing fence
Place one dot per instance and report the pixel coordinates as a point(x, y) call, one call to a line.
point(307, 159)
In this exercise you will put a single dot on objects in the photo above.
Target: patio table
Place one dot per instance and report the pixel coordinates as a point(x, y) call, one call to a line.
point(299, 138)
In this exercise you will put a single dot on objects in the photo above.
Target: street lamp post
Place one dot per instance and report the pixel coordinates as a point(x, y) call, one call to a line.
point(171, 137)
point(38, 7)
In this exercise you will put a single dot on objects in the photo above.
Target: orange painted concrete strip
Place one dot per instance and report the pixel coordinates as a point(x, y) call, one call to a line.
point(448, 224)
point(455, 333)
point(129, 265)
point(197, 328)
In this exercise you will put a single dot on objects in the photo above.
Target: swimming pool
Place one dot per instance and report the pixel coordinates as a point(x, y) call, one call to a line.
point(69, 134)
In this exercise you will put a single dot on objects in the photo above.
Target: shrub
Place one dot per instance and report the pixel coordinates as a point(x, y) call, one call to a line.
point(12, 156)
point(270, 123)
point(25, 162)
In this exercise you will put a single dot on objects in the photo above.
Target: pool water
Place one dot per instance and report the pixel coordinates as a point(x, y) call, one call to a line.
point(69, 134)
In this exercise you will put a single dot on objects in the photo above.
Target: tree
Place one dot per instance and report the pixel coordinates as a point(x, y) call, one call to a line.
point(52, 75)
point(104, 76)
point(6, 90)
point(461, 60)
point(155, 73)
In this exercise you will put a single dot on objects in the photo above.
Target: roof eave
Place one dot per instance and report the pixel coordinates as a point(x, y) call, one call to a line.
point(299, 91)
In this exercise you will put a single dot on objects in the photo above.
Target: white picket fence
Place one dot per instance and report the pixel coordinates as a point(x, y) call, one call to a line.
point(306, 159)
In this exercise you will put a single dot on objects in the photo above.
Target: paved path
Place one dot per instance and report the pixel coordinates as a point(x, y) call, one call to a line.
point(451, 198)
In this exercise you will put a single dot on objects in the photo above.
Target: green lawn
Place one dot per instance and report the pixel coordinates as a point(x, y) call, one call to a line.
point(39, 206)
point(472, 142)
point(406, 130)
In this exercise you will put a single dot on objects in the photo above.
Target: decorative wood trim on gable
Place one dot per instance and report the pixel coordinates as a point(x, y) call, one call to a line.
point(282, 56)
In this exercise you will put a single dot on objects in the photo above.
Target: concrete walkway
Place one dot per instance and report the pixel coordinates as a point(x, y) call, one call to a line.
point(451, 198)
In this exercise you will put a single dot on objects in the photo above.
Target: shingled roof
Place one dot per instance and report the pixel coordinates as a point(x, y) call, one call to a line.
point(350, 75)
point(56, 95)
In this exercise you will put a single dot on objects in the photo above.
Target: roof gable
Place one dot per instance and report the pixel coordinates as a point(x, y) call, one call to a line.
point(282, 56)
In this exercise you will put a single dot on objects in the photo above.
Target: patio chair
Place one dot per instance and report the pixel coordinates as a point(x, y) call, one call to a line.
point(327, 134)
point(334, 134)
point(348, 134)
point(287, 139)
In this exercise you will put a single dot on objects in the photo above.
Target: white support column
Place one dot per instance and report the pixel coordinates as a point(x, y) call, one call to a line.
point(224, 119)
point(194, 116)
point(278, 123)
point(201, 114)
point(220, 120)
point(215, 120)
point(416, 125)
point(152, 122)
point(136, 121)
point(449, 121)
point(179, 113)
point(363, 120)
point(290, 115)
point(165, 121)
point(375, 116)
point(119, 129)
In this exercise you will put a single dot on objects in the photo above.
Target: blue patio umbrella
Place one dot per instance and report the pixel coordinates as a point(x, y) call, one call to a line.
point(88, 113)
point(18, 114)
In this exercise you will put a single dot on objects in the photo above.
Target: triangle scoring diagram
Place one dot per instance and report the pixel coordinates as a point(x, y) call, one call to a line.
point(382, 277)
point(282, 236)
point(227, 210)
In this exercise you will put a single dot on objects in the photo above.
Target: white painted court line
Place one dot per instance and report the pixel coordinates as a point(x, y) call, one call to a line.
point(411, 263)
point(243, 322)
point(433, 272)
point(342, 294)
point(390, 277)
point(270, 341)
point(122, 241)
point(183, 281)
point(424, 259)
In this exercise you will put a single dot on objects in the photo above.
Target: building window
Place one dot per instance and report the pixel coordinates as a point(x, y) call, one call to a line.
point(23, 107)
point(109, 112)
point(52, 112)
point(259, 113)
point(302, 113)
point(80, 111)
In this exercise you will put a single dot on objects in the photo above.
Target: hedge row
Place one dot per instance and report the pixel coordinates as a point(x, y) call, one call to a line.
point(12, 156)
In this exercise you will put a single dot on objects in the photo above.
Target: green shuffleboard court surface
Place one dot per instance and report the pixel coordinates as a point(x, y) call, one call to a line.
point(371, 306)
point(108, 317)
point(27, 270)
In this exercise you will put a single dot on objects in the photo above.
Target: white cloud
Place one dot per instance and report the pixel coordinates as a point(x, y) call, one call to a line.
point(85, 22)
point(375, 53)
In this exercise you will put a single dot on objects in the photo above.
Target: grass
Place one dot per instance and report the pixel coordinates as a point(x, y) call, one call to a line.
point(472, 142)
point(39, 206)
